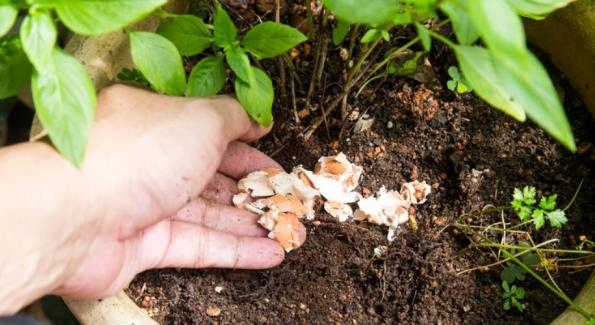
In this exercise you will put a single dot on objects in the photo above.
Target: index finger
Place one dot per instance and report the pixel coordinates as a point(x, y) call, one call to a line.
point(240, 159)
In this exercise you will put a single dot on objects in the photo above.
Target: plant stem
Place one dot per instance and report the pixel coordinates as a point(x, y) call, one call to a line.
point(358, 65)
point(391, 56)
point(535, 248)
point(441, 38)
point(559, 293)
point(575, 195)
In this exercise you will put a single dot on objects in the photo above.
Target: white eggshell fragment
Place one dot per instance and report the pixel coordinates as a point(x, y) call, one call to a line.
point(281, 198)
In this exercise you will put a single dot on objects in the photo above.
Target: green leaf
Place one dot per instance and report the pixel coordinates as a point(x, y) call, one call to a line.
point(159, 61)
point(370, 12)
point(529, 195)
point(505, 286)
point(223, 28)
point(507, 276)
point(517, 194)
point(453, 72)
point(385, 35)
point(188, 33)
point(64, 99)
point(94, 17)
point(38, 35)
point(548, 203)
point(207, 77)
point(462, 23)
point(538, 218)
point(499, 26)
point(537, 9)
point(530, 86)
point(451, 85)
point(530, 259)
point(340, 31)
point(257, 98)
point(240, 63)
point(520, 293)
point(409, 66)
point(506, 305)
point(371, 35)
point(270, 39)
point(557, 218)
point(479, 71)
point(15, 68)
point(133, 75)
point(462, 87)
point(424, 35)
point(8, 15)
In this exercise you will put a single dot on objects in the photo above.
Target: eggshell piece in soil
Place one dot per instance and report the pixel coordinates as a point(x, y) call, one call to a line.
point(416, 191)
point(286, 231)
point(339, 211)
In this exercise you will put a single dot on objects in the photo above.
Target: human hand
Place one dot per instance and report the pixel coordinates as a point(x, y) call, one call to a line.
point(157, 182)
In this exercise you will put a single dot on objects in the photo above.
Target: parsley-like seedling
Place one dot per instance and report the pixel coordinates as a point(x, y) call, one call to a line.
point(524, 204)
point(512, 296)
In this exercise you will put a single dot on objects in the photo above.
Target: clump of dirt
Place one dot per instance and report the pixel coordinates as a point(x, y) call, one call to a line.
point(471, 154)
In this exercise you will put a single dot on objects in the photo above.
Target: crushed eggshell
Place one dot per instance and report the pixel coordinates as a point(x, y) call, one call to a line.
point(340, 211)
point(416, 191)
point(282, 198)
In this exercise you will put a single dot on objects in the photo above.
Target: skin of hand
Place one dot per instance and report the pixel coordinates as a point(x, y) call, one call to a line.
point(154, 191)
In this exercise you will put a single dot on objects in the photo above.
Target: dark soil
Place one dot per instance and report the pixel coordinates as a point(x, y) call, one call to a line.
point(472, 155)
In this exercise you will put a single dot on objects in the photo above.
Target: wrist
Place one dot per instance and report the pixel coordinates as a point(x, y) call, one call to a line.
point(39, 196)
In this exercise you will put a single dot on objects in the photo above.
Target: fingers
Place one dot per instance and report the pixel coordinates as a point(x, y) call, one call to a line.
point(219, 217)
point(195, 246)
point(240, 159)
point(220, 189)
point(237, 125)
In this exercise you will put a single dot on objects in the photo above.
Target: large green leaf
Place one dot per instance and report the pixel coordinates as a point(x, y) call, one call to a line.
point(188, 33)
point(368, 12)
point(225, 31)
point(479, 71)
point(38, 35)
point(257, 98)
point(15, 69)
point(537, 9)
point(239, 62)
point(340, 31)
point(500, 27)
point(529, 84)
point(424, 35)
point(65, 103)
point(159, 61)
point(8, 15)
point(270, 39)
point(462, 23)
point(94, 17)
point(207, 77)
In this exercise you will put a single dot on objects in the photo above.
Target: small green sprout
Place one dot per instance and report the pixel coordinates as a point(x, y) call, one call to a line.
point(512, 296)
point(524, 204)
point(457, 83)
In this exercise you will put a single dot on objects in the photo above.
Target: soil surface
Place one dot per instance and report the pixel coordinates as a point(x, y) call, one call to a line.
point(471, 154)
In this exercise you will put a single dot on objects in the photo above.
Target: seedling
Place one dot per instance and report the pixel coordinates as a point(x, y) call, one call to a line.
point(512, 296)
point(524, 204)
point(457, 83)
point(518, 255)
